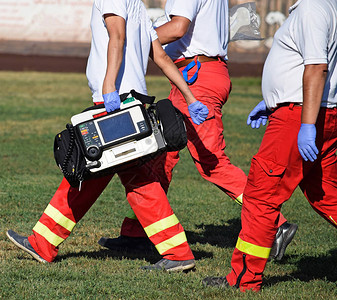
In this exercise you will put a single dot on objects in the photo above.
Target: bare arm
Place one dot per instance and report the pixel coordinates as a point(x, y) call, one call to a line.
point(164, 62)
point(173, 30)
point(314, 77)
point(168, 33)
point(116, 30)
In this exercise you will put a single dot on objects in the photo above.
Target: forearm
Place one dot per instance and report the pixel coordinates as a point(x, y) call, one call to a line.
point(116, 29)
point(114, 61)
point(172, 73)
point(164, 62)
point(314, 77)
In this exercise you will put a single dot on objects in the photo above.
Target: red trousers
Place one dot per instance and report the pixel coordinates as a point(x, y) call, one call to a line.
point(206, 142)
point(146, 197)
point(276, 170)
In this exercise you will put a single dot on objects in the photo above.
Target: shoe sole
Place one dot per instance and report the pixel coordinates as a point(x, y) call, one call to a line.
point(36, 256)
point(288, 238)
point(181, 268)
point(185, 268)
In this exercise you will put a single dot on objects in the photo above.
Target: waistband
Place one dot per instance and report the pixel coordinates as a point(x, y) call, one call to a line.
point(200, 58)
point(286, 104)
point(291, 105)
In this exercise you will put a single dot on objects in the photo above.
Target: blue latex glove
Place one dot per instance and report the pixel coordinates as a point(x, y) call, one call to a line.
point(306, 142)
point(259, 115)
point(112, 101)
point(198, 112)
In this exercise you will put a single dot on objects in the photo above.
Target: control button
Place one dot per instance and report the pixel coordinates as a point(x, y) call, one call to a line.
point(142, 126)
point(93, 152)
point(148, 141)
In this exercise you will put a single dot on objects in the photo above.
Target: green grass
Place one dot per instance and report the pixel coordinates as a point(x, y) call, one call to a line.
point(35, 106)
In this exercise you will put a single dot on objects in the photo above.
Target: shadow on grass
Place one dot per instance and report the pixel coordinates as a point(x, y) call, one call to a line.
point(106, 253)
point(224, 236)
point(309, 268)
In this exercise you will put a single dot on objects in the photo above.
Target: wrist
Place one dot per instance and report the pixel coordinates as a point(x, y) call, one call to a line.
point(189, 102)
point(107, 89)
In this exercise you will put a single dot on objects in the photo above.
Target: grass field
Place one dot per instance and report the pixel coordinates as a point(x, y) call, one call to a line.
point(35, 106)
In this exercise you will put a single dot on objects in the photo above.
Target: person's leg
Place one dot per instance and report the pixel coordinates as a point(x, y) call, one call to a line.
point(206, 142)
point(320, 185)
point(133, 238)
point(161, 167)
point(63, 212)
point(150, 204)
point(275, 172)
point(320, 188)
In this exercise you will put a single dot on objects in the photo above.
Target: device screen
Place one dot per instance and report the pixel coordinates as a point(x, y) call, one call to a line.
point(116, 127)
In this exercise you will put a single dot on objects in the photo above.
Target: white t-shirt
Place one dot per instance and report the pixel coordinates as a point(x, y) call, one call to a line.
point(208, 33)
point(139, 36)
point(308, 36)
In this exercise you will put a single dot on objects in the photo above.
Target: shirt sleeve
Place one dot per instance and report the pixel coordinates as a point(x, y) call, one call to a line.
point(117, 7)
point(152, 31)
point(312, 34)
point(185, 8)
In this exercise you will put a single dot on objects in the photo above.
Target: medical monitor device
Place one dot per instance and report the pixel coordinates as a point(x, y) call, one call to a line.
point(112, 139)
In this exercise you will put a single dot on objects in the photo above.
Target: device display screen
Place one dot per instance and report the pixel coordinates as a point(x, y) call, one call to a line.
point(116, 127)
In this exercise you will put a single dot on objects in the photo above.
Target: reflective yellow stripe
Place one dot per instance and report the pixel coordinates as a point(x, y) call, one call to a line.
point(252, 249)
point(59, 218)
point(51, 237)
point(332, 220)
point(238, 200)
point(161, 225)
point(172, 242)
point(131, 215)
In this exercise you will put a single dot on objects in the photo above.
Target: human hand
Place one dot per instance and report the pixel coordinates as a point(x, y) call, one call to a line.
point(198, 112)
point(306, 142)
point(112, 101)
point(258, 115)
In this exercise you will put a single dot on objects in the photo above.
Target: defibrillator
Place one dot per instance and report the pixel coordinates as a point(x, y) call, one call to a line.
point(97, 143)
point(111, 139)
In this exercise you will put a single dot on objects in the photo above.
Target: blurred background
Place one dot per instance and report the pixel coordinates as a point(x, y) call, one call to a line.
point(54, 35)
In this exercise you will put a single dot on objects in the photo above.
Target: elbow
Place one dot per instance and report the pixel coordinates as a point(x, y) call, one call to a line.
point(179, 32)
point(180, 27)
point(117, 41)
point(121, 39)
point(162, 61)
point(173, 30)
